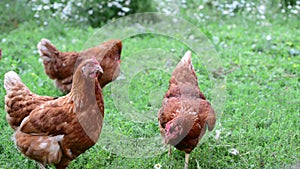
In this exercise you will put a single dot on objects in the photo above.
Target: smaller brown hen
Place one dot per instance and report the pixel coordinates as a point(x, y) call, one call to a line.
point(59, 66)
point(56, 130)
point(185, 114)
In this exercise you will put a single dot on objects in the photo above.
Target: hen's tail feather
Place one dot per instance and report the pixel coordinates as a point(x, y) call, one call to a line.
point(11, 79)
point(211, 119)
point(187, 58)
point(47, 50)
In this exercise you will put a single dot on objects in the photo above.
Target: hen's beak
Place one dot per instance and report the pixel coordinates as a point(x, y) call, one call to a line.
point(99, 69)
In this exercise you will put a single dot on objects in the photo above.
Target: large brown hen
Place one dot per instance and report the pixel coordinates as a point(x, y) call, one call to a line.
point(59, 66)
point(56, 130)
point(185, 113)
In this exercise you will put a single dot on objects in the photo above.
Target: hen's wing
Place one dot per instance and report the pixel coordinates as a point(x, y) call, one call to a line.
point(19, 100)
point(79, 130)
point(109, 57)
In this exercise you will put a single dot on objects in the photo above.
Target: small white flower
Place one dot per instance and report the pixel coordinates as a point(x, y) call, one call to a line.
point(7, 5)
point(3, 40)
point(45, 1)
point(225, 12)
point(79, 4)
point(90, 12)
point(74, 41)
point(269, 37)
point(46, 7)
point(215, 39)
point(200, 7)
point(261, 9)
point(45, 23)
point(39, 7)
point(67, 9)
point(36, 15)
point(218, 133)
point(294, 11)
point(125, 9)
point(234, 151)
point(127, 2)
point(157, 166)
point(56, 5)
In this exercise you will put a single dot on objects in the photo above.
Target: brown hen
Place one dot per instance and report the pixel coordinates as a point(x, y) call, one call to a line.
point(59, 66)
point(56, 131)
point(185, 114)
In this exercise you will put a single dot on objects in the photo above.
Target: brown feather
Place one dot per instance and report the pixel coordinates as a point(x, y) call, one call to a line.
point(60, 66)
point(185, 112)
point(56, 131)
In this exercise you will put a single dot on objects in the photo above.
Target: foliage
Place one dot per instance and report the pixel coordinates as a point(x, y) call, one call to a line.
point(13, 13)
point(92, 12)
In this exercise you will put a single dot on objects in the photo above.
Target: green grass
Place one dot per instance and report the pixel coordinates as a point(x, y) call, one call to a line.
point(261, 114)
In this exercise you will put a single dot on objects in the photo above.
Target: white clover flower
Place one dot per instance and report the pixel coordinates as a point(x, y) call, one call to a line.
point(157, 166)
point(36, 15)
point(67, 9)
point(218, 134)
point(90, 12)
point(117, 4)
point(79, 4)
point(261, 9)
point(39, 8)
point(45, 1)
point(125, 9)
point(294, 11)
point(127, 2)
point(46, 7)
point(57, 5)
point(269, 37)
point(234, 151)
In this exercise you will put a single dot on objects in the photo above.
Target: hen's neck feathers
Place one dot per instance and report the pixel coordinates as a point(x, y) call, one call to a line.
point(184, 71)
point(83, 92)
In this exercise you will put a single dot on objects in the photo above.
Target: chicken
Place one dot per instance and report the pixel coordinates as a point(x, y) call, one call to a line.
point(59, 66)
point(56, 130)
point(185, 113)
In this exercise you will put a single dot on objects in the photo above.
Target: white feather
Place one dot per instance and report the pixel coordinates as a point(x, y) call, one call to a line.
point(187, 57)
point(11, 78)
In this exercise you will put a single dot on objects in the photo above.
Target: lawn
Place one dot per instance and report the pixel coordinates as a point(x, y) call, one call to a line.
point(252, 81)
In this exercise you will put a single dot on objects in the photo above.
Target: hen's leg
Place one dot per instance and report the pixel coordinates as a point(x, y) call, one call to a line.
point(186, 162)
point(170, 150)
point(41, 166)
